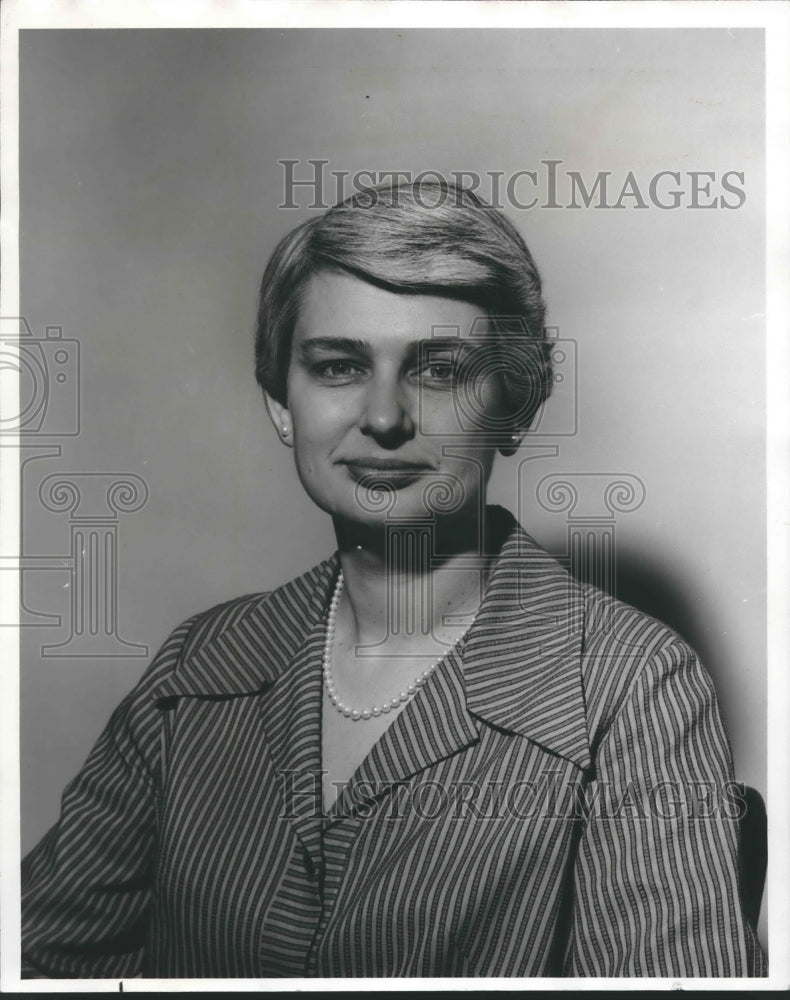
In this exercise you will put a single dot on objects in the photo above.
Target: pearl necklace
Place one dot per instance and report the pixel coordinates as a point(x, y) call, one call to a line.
point(374, 711)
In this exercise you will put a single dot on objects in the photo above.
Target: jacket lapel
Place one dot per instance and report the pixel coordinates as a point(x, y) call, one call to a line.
point(522, 659)
point(246, 646)
point(271, 648)
point(433, 726)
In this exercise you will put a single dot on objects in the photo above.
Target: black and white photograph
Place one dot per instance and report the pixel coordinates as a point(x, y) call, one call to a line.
point(394, 467)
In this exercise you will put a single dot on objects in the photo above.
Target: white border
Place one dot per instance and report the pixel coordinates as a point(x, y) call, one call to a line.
point(81, 14)
point(773, 15)
point(9, 515)
point(778, 493)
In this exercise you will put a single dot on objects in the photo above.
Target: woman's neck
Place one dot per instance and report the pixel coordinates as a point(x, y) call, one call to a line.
point(407, 585)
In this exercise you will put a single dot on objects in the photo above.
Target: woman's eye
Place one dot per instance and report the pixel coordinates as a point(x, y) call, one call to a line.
point(439, 374)
point(338, 370)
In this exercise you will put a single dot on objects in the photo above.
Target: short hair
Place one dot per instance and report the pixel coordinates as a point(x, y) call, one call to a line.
point(429, 238)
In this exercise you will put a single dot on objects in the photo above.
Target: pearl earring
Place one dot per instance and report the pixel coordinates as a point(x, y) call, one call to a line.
point(285, 431)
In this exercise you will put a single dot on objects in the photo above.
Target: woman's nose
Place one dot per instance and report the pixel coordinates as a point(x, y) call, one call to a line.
point(387, 411)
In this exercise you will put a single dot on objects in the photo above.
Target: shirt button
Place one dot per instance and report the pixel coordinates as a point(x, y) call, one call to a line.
point(312, 869)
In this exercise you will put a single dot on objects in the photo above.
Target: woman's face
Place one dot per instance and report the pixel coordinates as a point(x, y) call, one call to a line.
point(380, 421)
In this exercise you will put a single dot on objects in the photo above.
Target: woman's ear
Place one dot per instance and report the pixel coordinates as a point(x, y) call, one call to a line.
point(512, 443)
point(281, 418)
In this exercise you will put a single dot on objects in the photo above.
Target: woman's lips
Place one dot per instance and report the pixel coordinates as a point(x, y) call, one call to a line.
point(393, 473)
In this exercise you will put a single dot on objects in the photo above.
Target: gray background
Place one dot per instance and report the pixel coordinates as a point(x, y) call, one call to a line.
point(149, 194)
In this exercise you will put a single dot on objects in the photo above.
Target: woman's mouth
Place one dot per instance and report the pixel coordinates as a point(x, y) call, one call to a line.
point(392, 473)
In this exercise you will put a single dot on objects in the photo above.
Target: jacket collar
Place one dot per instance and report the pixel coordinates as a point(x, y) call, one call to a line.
point(521, 658)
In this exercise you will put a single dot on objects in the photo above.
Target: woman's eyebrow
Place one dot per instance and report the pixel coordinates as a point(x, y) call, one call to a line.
point(348, 345)
point(429, 347)
point(449, 343)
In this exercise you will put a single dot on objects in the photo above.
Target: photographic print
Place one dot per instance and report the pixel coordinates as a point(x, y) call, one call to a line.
point(387, 444)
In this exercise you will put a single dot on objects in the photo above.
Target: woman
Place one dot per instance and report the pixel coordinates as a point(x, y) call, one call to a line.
point(435, 753)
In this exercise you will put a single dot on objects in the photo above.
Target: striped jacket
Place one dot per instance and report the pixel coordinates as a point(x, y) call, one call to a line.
point(556, 800)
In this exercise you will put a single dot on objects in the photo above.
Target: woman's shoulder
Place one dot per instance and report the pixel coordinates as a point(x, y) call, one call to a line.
point(287, 606)
point(610, 634)
point(609, 651)
point(615, 628)
point(232, 646)
point(631, 657)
